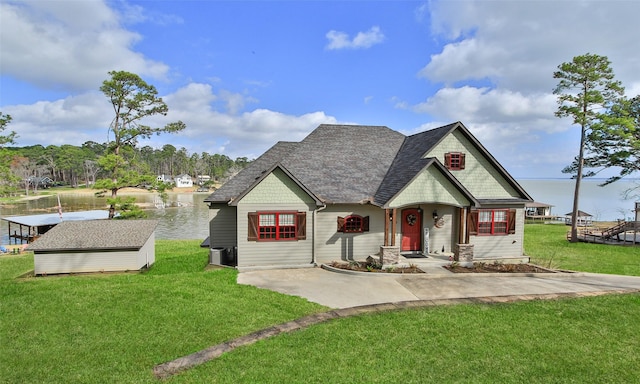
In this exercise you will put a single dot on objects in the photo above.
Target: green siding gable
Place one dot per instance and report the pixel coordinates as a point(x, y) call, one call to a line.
point(430, 186)
point(479, 177)
point(277, 188)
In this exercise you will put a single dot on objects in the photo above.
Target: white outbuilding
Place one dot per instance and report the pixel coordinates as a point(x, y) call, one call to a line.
point(95, 246)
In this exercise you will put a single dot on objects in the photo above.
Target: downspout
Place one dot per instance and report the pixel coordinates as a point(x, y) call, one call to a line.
point(313, 244)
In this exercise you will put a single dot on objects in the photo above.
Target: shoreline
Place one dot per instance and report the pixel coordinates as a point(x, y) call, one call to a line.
point(87, 192)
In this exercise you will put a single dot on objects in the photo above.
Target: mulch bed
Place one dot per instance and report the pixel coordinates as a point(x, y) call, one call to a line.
point(497, 268)
point(366, 267)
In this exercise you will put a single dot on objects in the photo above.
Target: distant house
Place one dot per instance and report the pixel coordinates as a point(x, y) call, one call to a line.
point(183, 181)
point(535, 208)
point(40, 182)
point(202, 179)
point(346, 192)
point(165, 178)
point(584, 219)
point(95, 246)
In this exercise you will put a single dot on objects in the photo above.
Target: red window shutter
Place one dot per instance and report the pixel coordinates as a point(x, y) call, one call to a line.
point(472, 222)
point(365, 224)
point(462, 161)
point(340, 224)
point(512, 221)
point(447, 160)
point(301, 227)
point(253, 226)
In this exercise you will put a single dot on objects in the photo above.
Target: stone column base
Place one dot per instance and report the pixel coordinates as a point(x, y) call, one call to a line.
point(463, 253)
point(389, 255)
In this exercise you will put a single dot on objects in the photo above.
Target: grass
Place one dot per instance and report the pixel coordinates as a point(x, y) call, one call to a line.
point(547, 246)
point(582, 340)
point(116, 327)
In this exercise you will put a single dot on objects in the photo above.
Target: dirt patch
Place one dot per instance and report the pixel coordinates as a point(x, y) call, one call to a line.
point(359, 266)
point(497, 268)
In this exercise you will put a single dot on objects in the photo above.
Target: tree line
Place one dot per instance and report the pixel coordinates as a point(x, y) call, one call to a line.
point(77, 166)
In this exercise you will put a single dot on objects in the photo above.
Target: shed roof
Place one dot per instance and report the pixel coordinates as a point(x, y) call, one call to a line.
point(95, 235)
point(537, 204)
point(54, 218)
point(580, 214)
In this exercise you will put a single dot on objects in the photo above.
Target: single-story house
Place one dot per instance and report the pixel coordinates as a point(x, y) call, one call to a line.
point(347, 191)
point(584, 219)
point(536, 208)
point(184, 181)
point(95, 246)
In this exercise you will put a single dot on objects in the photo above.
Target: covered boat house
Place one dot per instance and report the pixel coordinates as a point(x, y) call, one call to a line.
point(26, 229)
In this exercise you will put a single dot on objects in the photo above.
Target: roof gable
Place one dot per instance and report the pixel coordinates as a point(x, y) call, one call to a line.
point(279, 171)
point(486, 178)
point(435, 184)
point(409, 161)
point(246, 178)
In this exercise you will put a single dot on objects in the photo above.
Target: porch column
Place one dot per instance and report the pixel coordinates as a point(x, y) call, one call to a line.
point(386, 227)
point(393, 227)
point(462, 230)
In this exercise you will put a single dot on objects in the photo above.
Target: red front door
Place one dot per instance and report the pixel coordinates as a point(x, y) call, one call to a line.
point(411, 230)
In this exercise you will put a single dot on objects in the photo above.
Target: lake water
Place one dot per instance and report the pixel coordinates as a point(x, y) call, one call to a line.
point(604, 203)
point(187, 216)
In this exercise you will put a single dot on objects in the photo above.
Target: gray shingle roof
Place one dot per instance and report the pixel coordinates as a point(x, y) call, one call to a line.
point(344, 164)
point(240, 182)
point(95, 234)
point(337, 163)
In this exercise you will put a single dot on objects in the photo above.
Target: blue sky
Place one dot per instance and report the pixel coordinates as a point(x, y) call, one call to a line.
point(245, 74)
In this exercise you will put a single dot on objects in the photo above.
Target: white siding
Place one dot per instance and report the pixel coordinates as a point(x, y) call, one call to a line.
point(504, 246)
point(87, 261)
point(147, 254)
point(332, 245)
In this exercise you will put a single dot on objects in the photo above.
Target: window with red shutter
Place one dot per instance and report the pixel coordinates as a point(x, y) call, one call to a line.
point(353, 224)
point(277, 226)
point(490, 222)
point(454, 161)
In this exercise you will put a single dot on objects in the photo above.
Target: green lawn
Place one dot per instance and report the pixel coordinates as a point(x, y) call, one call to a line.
point(116, 327)
point(547, 245)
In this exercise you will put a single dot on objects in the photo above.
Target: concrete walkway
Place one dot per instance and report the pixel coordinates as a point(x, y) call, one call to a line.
point(358, 293)
point(344, 290)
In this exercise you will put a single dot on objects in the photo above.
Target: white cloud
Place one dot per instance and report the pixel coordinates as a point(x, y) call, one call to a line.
point(341, 40)
point(519, 44)
point(497, 62)
point(86, 117)
point(485, 105)
point(72, 120)
point(68, 45)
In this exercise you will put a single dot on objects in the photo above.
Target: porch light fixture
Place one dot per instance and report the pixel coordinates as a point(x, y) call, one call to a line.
point(435, 214)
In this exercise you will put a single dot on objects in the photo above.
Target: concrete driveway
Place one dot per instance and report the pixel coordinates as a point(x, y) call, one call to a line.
point(342, 290)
